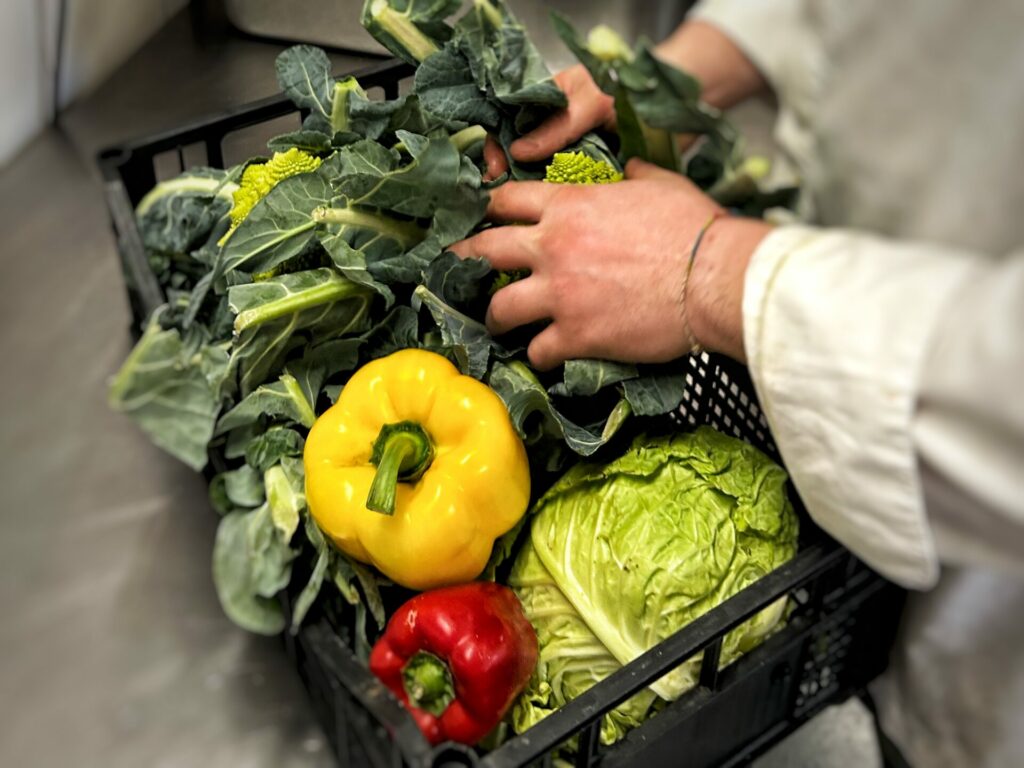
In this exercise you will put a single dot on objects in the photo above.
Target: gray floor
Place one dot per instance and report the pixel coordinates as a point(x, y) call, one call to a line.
point(113, 650)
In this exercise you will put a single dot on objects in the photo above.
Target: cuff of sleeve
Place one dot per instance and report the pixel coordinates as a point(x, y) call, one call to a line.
point(836, 328)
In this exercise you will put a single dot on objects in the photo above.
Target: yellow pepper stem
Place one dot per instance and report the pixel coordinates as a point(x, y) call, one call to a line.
point(428, 683)
point(402, 453)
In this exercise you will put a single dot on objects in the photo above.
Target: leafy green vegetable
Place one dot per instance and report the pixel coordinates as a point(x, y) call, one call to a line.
point(410, 29)
point(267, 449)
point(653, 100)
point(304, 74)
point(286, 495)
point(170, 386)
point(244, 487)
point(536, 417)
point(275, 316)
point(623, 555)
point(284, 274)
point(251, 564)
point(284, 398)
point(176, 215)
point(279, 227)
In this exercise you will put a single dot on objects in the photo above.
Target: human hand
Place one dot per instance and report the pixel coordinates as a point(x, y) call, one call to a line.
point(607, 265)
point(589, 107)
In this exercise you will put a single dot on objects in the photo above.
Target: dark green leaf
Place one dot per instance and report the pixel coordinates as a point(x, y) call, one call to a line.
point(267, 449)
point(313, 142)
point(587, 377)
point(244, 486)
point(467, 338)
point(304, 74)
point(279, 227)
point(655, 395)
point(512, 66)
point(274, 317)
point(251, 564)
point(529, 404)
point(177, 214)
point(171, 388)
point(282, 399)
point(445, 86)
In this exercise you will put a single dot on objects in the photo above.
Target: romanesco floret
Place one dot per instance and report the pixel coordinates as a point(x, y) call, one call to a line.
point(580, 168)
point(259, 178)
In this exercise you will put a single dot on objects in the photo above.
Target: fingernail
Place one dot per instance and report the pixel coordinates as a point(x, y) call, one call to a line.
point(519, 146)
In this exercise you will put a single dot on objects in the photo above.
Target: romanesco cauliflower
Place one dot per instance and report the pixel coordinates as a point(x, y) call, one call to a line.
point(580, 168)
point(259, 178)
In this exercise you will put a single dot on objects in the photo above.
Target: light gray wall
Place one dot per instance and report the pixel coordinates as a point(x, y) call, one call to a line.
point(99, 36)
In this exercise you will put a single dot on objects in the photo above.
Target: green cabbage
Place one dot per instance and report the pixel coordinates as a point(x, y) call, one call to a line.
point(621, 556)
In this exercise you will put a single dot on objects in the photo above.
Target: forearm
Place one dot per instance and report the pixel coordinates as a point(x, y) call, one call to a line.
point(726, 73)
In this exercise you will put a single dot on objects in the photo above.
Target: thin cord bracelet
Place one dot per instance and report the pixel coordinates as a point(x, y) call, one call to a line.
point(695, 346)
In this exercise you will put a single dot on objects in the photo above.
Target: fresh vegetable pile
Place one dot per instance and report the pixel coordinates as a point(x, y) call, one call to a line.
point(324, 353)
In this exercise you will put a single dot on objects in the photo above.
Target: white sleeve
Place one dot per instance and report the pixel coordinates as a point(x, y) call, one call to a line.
point(856, 348)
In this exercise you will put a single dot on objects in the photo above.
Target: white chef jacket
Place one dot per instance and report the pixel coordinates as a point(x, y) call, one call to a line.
point(886, 341)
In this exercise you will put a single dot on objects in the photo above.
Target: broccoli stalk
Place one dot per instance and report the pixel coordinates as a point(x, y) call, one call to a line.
point(462, 140)
point(343, 91)
point(336, 288)
point(486, 8)
point(403, 37)
point(407, 233)
point(467, 137)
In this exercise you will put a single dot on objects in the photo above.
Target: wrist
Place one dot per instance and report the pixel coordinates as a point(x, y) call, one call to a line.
point(714, 291)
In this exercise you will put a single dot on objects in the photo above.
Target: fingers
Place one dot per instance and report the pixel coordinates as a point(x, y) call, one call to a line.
point(550, 348)
point(504, 247)
point(588, 108)
point(559, 130)
point(520, 303)
point(520, 201)
point(494, 159)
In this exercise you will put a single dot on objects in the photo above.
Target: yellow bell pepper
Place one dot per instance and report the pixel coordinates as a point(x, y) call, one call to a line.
point(416, 469)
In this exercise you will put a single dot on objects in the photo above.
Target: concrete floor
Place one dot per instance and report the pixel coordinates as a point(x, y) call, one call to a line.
point(113, 649)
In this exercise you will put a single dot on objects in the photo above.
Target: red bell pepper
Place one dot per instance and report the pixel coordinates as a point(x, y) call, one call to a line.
point(457, 658)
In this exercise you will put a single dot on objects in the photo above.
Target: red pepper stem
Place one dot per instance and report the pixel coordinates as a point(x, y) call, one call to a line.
point(428, 683)
point(402, 453)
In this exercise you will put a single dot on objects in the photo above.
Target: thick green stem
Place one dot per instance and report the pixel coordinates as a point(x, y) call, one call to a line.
point(343, 90)
point(334, 290)
point(467, 137)
point(493, 14)
point(428, 683)
point(461, 140)
point(402, 29)
point(662, 148)
point(405, 232)
point(402, 453)
point(306, 413)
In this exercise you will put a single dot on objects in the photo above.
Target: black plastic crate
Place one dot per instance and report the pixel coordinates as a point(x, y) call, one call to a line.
point(837, 639)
